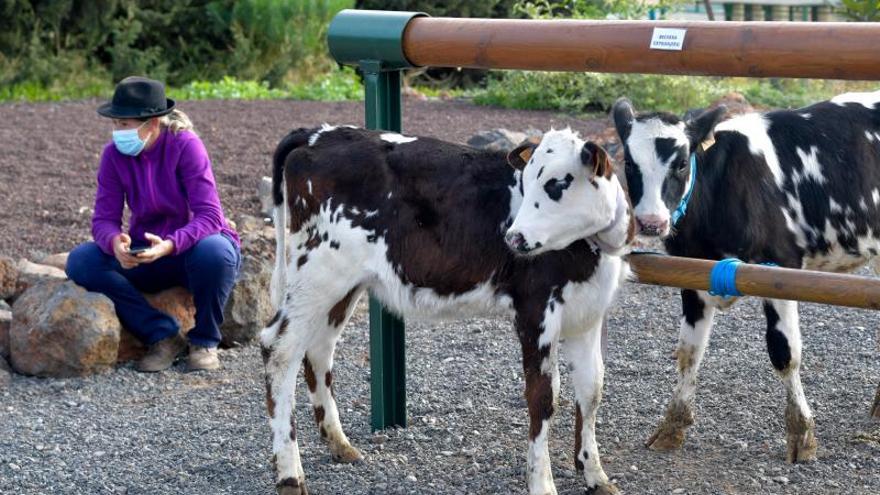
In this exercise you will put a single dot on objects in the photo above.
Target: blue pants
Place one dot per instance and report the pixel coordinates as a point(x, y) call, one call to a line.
point(209, 270)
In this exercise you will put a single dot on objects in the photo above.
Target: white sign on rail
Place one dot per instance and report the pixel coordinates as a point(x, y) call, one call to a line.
point(667, 39)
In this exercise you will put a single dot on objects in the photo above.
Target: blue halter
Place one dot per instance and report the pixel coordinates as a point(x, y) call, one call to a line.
point(683, 205)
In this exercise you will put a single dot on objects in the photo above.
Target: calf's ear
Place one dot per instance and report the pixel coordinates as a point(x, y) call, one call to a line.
point(520, 156)
point(623, 114)
point(700, 127)
point(595, 157)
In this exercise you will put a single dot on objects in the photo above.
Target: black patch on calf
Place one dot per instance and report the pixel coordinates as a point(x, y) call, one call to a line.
point(334, 244)
point(540, 171)
point(666, 147)
point(692, 306)
point(777, 343)
point(634, 183)
point(554, 187)
point(536, 205)
point(301, 261)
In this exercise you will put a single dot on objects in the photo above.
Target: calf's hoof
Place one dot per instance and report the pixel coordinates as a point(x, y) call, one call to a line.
point(609, 489)
point(345, 454)
point(801, 447)
point(664, 439)
point(291, 486)
point(671, 432)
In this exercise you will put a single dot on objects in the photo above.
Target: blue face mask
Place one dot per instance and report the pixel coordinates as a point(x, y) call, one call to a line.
point(128, 142)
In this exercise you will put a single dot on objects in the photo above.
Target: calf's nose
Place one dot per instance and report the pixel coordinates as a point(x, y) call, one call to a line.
point(516, 241)
point(652, 224)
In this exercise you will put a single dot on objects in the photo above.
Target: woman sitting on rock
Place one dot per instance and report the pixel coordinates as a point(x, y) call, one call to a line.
point(178, 235)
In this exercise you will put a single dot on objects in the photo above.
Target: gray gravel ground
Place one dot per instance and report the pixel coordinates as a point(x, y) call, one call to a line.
point(133, 433)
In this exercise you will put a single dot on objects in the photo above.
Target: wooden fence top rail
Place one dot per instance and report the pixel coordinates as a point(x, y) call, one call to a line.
point(833, 50)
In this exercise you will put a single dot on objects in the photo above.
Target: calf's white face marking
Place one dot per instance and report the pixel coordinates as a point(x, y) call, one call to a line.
point(569, 193)
point(657, 152)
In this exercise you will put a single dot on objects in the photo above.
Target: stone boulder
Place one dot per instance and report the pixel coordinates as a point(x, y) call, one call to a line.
point(5, 325)
point(58, 260)
point(176, 302)
point(17, 276)
point(61, 330)
point(501, 139)
point(30, 274)
point(8, 277)
point(264, 193)
point(250, 304)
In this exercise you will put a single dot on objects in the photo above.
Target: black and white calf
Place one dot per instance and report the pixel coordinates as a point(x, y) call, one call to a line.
point(437, 229)
point(799, 188)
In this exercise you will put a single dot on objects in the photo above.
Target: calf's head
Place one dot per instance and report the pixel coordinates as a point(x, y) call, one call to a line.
point(657, 150)
point(570, 193)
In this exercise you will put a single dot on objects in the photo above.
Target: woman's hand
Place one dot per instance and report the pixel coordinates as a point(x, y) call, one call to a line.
point(121, 244)
point(159, 248)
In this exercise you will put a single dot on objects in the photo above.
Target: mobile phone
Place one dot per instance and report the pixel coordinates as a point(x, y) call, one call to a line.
point(138, 250)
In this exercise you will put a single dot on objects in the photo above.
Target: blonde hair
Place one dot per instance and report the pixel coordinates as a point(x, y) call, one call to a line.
point(176, 121)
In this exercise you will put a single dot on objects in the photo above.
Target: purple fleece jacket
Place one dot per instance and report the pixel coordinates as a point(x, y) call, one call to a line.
point(169, 189)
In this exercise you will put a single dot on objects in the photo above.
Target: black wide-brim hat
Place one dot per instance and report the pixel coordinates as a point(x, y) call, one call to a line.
point(137, 98)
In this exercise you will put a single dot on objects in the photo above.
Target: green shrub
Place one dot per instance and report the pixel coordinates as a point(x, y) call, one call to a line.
point(591, 92)
point(861, 10)
point(337, 85)
point(447, 8)
point(44, 43)
point(226, 89)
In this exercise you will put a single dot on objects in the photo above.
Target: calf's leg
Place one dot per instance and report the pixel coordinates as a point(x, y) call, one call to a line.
point(318, 370)
point(784, 347)
point(696, 326)
point(283, 343)
point(584, 353)
point(539, 349)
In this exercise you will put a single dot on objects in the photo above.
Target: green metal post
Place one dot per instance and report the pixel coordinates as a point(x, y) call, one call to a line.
point(373, 40)
point(387, 344)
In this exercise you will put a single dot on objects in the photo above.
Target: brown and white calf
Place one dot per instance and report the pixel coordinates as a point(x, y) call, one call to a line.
point(438, 229)
point(797, 188)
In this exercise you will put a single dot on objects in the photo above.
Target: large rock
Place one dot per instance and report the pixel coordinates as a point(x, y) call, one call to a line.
point(58, 260)
point(176, 302)
point(8, 277)
point(5, 325)
point(264, 193)
point(30, 274)
point(501, 139)
point(61, 330)
point(250, 304)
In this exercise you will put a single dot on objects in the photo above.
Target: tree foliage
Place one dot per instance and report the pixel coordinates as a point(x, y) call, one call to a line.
point(47, 41)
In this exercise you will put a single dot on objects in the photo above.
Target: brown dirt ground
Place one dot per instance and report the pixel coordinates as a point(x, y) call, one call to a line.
point(49, 154)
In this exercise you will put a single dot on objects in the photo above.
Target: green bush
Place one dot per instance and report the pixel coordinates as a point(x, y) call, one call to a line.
point(337, 85)
point(48, 44)
point(226, 89)
point(447, 8)
point(861, 10)
point(592, 92)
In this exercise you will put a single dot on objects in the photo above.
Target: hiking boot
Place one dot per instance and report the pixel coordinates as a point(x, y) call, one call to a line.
point(161, 355)
point(202, 358)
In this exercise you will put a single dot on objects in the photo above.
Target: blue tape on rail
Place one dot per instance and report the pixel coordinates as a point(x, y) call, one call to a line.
point(722, 280)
